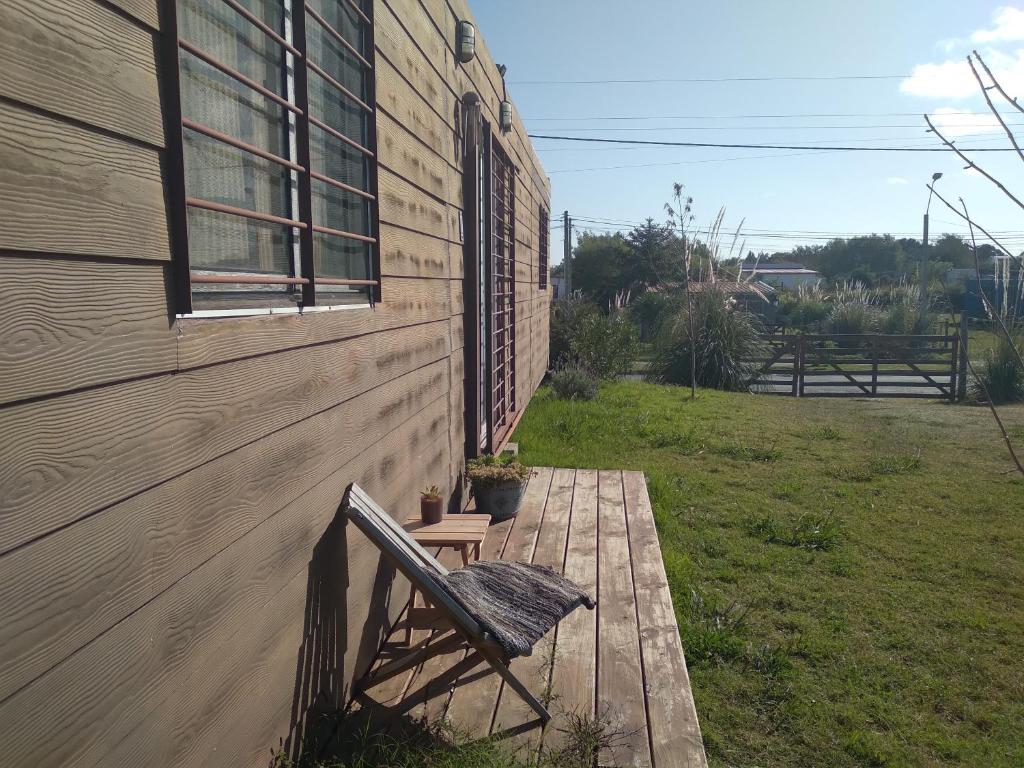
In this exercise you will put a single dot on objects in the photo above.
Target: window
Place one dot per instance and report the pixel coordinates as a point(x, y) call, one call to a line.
point(275, 191)
point(503, 291)
point(542, 250)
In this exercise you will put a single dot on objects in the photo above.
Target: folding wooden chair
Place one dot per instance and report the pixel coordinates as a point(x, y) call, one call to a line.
point(426, 573)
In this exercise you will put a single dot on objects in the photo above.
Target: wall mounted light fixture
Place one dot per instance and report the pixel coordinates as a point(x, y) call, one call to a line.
point(506, 116)
point(466, 41)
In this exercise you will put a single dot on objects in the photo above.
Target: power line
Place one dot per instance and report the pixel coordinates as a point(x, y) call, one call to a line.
point(686, 162)
point(748, 117)
point(919, 126)
point(760, 146)
point(779, 78)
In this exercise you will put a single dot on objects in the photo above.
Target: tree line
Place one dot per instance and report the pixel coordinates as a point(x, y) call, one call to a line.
point(613, 270)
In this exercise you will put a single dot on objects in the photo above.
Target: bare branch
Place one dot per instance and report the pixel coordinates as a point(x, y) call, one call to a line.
point(995, 415)
point(992, 108)
point(996, 85)
point(984, 296)
point(977, 226)
point(971, 163)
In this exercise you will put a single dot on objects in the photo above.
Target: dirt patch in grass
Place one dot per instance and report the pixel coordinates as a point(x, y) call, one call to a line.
point(848, 576)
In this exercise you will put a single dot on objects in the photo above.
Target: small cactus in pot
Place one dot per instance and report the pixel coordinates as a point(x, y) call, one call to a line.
point(431, 505)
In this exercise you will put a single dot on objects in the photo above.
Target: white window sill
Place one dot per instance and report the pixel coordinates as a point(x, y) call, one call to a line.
point(261, 312)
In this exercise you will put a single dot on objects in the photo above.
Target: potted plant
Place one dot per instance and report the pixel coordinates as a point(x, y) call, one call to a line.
point(431, 505)
point(498, 485)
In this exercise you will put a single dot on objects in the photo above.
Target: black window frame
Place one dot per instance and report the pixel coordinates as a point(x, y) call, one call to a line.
point(543, 255)
point(304, 227)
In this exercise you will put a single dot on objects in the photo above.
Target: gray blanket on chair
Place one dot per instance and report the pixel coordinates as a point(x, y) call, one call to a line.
point(516, 603)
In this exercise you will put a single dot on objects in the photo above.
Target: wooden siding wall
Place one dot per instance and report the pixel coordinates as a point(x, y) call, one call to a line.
point(175, 583)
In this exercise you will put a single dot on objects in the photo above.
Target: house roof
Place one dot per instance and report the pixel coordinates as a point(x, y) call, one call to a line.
point(765, 266)
point(734, 288)
point(784, 271)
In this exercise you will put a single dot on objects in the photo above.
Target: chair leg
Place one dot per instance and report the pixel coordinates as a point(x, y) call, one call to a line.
point(449, 644)
point(502, 669)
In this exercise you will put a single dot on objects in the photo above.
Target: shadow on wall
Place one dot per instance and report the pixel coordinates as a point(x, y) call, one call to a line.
point(322, 681)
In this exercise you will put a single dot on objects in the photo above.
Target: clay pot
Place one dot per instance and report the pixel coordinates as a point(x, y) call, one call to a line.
point(431, 510)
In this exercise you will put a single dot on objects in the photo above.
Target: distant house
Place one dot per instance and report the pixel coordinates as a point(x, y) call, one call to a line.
point(780, 274)
point(557, 287)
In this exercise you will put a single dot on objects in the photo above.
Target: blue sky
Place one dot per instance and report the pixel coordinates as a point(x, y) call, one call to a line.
point(786, 198)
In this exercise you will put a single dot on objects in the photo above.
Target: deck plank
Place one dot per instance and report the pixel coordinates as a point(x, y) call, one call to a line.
point(429, 699)
point(675, 732)
point(513, 715)
point(623, 663)
point(472, 704)
point(620, 688)
point(573, 679)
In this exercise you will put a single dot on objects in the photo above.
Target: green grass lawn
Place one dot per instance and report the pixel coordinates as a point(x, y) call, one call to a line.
point(848, 576)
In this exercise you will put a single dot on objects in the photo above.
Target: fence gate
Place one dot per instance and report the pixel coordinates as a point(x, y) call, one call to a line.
point(859, 365)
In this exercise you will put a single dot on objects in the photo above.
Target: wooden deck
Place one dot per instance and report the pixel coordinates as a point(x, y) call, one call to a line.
point(622, 663)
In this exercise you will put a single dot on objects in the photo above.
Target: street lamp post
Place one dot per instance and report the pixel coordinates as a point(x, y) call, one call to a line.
point(923, 294)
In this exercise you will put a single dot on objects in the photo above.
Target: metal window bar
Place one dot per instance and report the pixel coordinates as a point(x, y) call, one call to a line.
point(233, 73)
point(199, 277)
point(542, 250)
point(340, 136)
point(355, 4)
point(261, 25)
point(337, 36)
point(338, 86)
point(502, 257)
point(181, 202)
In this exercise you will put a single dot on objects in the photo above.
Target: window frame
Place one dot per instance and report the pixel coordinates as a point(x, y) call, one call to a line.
point(543, 255)
point(179, 203)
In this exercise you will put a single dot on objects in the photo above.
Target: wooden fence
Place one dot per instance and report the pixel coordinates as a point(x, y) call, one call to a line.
point(861, 365)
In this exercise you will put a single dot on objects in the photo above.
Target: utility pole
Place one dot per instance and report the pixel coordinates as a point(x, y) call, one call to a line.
point(567, 252)
point(923, 276)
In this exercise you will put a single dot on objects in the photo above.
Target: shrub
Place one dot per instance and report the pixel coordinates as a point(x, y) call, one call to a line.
point(727, 337)
point(490, 471)
point(854, 310)
point(572, 382)
point(804, 308)
point(605, 345)
point(651, 311)
point(566, 315)
point(1001, 373)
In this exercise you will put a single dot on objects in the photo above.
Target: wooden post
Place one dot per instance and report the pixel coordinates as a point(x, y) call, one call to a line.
point(800, 365)
point(953, 367)
point(874, 366)
point(961, 379)
point(567, 252)
point(796, 366)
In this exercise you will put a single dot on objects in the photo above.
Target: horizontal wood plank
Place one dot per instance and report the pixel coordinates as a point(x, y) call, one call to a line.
point(573, 679)
point(403, 205)
point(79, 59)
point(62, 327)
point(513, 715)
point(107, 690)
point(472, 705)
point(79, 453)
point(400, 152)
point(405, 253)
point(405, 302)
point(69, 587)
point(146, 11)
point(68, 190)
point(620, 685)
point(675, 732)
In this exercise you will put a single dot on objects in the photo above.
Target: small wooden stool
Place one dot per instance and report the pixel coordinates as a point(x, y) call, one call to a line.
point(462, 532)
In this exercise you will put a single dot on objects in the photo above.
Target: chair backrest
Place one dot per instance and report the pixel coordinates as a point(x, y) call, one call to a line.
point(418, 565)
